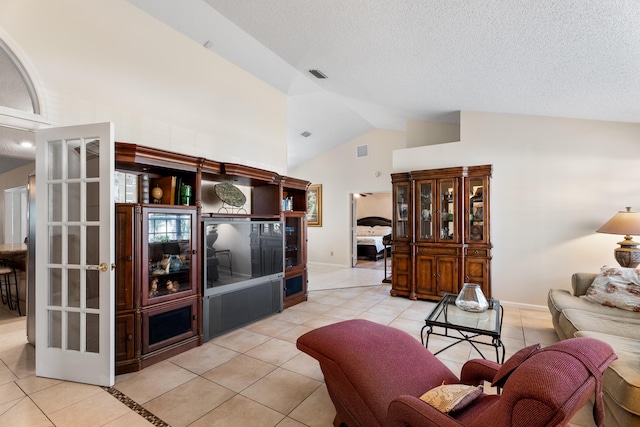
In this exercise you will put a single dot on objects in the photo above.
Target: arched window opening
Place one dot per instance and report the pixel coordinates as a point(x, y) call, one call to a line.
point(16, 88)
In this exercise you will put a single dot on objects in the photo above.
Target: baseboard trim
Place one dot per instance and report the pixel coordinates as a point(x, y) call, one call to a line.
point(524, 306)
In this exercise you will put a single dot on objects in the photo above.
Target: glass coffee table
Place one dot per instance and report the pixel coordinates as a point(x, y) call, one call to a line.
point(465, 326)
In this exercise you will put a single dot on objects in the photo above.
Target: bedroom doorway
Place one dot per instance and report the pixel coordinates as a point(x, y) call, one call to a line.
point(371, 229)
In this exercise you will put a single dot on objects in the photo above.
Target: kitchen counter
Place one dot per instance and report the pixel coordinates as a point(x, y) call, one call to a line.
point(13, 249)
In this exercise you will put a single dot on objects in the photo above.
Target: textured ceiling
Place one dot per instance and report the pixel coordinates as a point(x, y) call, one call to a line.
point(389, 61)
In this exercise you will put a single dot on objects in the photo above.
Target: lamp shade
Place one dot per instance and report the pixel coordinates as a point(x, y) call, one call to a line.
point(624, 223)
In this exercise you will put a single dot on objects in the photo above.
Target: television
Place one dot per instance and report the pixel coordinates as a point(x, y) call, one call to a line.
point(242, 271)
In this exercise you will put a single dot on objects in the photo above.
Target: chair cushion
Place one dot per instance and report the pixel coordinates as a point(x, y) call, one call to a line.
point(616, 287)
point(560, 299)
point(572, 321)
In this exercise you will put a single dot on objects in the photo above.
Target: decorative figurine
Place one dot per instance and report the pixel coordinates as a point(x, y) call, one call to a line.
point(153, 288)
point(157, 194)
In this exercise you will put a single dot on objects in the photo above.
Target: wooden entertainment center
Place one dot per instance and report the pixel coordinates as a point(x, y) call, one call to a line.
point(160, 246)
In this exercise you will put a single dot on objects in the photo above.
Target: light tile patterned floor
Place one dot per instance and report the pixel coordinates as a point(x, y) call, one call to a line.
point(253, 376)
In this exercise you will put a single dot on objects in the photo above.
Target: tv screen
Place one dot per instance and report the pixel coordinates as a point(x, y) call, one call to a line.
point(240, 250)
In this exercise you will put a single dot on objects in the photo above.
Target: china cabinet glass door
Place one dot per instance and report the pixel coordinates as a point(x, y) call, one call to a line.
point(475, 210)
point(447, 221)
point(293, 241)
point(425, 210)
point(169, 249)
point(401, 227)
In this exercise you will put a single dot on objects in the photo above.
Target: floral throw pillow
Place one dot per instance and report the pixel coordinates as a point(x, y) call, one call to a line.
point(616, 287)
point(451, 397)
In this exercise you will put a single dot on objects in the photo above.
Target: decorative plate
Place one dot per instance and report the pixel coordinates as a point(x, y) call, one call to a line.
point(230, 194)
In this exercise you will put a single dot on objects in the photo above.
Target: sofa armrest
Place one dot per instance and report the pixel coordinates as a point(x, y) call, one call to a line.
point(580, 282)
point(409, 410)
point(476, 371)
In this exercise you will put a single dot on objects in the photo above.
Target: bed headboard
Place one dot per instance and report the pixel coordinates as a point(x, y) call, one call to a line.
point(372, 221)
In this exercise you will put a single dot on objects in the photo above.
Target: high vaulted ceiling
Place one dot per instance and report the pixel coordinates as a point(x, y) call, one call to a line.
point(389, 61)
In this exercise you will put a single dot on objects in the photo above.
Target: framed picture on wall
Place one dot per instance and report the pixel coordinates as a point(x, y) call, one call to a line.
point(314, 205)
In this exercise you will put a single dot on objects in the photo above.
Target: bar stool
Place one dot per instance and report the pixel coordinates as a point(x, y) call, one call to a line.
point(6, 272)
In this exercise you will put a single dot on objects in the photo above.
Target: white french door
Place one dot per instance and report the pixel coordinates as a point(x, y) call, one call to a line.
point(74, 279)
point(354, 229)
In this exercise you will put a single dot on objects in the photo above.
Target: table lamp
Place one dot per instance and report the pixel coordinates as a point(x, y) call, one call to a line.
point(625, 223)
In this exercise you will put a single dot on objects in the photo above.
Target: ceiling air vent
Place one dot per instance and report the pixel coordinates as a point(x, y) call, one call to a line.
point(306, 134)
point(362, 151)
point(318, 74)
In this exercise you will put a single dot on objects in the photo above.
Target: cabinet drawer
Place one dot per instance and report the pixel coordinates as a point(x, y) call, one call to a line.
point(476, 252)
point(405, 249)
point(437, 251)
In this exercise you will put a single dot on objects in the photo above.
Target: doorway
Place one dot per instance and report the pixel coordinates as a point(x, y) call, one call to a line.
point(371, 223)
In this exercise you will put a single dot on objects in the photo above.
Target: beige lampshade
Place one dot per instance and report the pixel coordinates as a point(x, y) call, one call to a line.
point(625, 223)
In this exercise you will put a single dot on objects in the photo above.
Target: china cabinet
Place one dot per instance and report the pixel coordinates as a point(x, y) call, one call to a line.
point(441, 231)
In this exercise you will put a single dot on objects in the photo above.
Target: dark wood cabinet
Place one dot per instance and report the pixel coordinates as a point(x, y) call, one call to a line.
point(441, 231)
point(156, 283)
point(159, 247)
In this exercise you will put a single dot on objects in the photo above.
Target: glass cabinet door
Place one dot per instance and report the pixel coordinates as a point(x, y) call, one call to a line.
point(448, 208)
point(425, 210)
point(401, 198)
point(475, 210)
point(293, 241)
point(169, 240)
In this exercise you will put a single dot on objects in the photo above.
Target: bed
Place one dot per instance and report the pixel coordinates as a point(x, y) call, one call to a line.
point(374, 235)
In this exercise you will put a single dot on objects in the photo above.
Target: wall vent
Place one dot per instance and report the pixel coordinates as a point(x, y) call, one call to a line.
point(362, 151)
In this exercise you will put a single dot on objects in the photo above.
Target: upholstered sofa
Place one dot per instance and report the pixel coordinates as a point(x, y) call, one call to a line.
point(575, 316)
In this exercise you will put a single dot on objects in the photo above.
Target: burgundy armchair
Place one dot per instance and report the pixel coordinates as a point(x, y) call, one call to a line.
point(375, 375)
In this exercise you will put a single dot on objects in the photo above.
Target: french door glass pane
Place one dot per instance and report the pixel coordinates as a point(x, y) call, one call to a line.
point(73, 288)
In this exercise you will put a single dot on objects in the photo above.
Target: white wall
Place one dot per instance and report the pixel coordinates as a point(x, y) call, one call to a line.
point(341, 174)
point(555, 181)
point(422, 132)
point(375, 204)
point(109, 61)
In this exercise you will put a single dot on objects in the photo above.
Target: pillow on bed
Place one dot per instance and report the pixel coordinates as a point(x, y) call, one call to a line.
point(616, 287)
point(381, 230)
point(364, 230)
